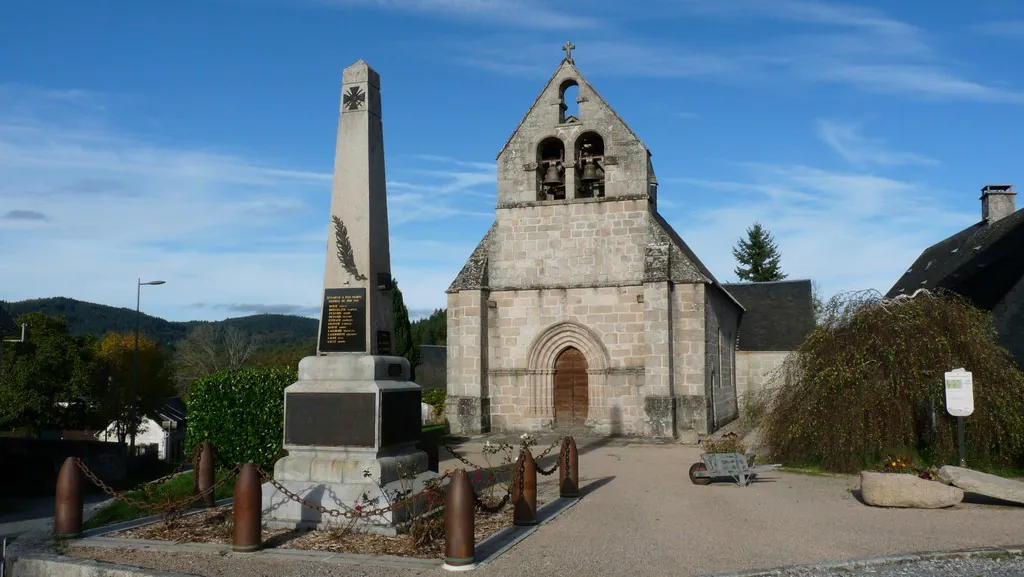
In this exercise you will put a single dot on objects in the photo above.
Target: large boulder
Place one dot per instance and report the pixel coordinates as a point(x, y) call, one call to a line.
point(900, 490)
point(983, 483)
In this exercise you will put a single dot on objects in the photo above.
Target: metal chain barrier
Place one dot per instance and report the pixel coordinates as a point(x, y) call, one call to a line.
point(455, 454)
point(518, 474)
point(355, 512)
point(167, 508)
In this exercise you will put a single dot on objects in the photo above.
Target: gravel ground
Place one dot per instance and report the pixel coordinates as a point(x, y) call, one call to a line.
point(959, 567)
point(640, 515)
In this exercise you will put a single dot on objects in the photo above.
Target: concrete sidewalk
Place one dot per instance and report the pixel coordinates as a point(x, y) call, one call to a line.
point(641, 516)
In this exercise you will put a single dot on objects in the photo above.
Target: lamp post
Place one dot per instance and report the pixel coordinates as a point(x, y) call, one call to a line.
point(135, 369)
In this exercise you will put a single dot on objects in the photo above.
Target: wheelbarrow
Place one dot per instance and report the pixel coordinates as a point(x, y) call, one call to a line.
point(733, 465)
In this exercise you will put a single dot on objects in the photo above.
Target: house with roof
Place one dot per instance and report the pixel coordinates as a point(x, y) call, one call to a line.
point(983, 263)
point(161, 434)
point(777, 318)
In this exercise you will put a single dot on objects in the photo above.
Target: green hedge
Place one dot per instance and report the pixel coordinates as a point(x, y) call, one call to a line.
point(435, 397)
point(241, 412)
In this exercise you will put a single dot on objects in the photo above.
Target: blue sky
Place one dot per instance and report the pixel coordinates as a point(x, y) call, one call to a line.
point(193, 141)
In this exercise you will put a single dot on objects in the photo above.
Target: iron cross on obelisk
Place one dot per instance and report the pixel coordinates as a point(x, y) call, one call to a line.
point(569, 47)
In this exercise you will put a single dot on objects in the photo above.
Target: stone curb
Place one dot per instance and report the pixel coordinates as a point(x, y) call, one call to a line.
point(847, 565)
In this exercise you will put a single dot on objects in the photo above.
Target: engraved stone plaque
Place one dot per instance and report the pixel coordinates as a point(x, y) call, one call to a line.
point(343, 321)
point(331, 419)
point(400, 417)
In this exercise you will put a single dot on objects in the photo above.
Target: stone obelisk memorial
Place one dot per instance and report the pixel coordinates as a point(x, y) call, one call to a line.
point(352, 420)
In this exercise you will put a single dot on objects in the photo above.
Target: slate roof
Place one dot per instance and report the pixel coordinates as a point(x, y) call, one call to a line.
point(954, 262)
point(173, 409)
point(779, 315)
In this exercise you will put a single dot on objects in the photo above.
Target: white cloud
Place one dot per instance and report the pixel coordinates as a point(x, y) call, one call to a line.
point(846, 230)
point(519, 13)
point(846, 140)
point(823, 43)
point(87, 210)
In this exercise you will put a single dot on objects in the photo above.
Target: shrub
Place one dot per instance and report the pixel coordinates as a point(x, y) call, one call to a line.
point(241, 413)
point(864, 385)
point(435, 398)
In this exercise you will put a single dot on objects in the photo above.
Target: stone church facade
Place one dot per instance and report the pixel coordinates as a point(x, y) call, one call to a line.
point(581, 308)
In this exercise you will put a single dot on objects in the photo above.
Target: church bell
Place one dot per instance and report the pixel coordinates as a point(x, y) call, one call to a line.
point(589, 173)
point(552, 177)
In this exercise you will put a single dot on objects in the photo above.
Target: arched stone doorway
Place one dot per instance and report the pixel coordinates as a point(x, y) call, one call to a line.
point(571, 389)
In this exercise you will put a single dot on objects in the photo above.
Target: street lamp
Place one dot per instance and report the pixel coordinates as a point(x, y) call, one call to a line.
point(135, 370)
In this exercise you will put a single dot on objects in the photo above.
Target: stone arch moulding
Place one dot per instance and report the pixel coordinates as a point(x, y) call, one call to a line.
point(541, 363)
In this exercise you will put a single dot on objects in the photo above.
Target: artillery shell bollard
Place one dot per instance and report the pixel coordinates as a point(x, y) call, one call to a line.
point(205, 475)
point(569, 470)
point(524, 491)
point(67, 511)
point(247, 536)
point(459, 524)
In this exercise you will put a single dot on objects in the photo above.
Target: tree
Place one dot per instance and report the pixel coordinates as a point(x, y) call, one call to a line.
point(758, 256)
point(286, 356)
point(44, 374)
point(817, 303)
point(208, 349)
point(113, 395)
point(432, 330)
point(404, 345)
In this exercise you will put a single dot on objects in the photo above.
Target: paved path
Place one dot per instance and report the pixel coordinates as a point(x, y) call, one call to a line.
point(641, 516)
point(36, 513)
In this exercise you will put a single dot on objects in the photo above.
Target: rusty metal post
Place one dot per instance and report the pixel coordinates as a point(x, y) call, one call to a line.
point(67, 506)
point(247, 535)
point(205, 474)
point(459, 523)
point(524, 490)
point(569, 470)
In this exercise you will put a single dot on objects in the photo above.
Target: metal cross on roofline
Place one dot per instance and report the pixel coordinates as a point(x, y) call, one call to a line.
point(569, 47)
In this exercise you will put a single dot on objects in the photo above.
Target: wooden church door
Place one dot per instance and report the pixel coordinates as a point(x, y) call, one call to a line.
point(570, 389)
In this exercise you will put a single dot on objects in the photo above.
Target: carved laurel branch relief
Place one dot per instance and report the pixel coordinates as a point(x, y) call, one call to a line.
point(345, 256)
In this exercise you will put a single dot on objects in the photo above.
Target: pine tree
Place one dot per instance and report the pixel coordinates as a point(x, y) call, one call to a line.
point(404, 345)
point(758, 256)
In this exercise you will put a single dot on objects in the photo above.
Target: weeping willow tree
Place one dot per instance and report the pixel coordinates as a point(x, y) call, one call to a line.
point(869, 382)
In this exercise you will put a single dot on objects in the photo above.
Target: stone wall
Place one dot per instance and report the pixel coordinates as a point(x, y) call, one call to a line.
point(589, 242)
point(754, 368)
point(641, 381)
point(465, 404)
point(531, 327)
point(721, 335)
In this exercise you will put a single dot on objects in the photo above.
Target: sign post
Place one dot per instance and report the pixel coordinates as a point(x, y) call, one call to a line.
point(960, 403)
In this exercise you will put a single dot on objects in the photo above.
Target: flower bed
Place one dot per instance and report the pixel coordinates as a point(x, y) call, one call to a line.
point(423, 539)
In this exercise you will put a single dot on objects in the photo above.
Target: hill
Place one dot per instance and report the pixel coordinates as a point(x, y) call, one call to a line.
point(85, 317)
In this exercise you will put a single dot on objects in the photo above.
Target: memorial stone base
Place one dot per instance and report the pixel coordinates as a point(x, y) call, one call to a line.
point(352, 422)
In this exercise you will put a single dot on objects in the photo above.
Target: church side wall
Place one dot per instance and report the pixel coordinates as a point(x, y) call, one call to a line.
point(688, 360)
point(586, 243)
point(754, 370)
point(721, 378)
point(615, 318)
point(467, 398)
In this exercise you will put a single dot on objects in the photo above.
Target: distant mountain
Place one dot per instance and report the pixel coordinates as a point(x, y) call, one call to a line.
point(84, 317)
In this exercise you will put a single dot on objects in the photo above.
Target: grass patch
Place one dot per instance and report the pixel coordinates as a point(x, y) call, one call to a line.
point(174, 490)
point(436, 429)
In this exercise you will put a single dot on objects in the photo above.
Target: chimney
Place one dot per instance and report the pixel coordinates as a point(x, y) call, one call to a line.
point(997, 201)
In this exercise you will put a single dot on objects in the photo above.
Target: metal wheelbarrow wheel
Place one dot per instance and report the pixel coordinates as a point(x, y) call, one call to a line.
point(699, 480)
